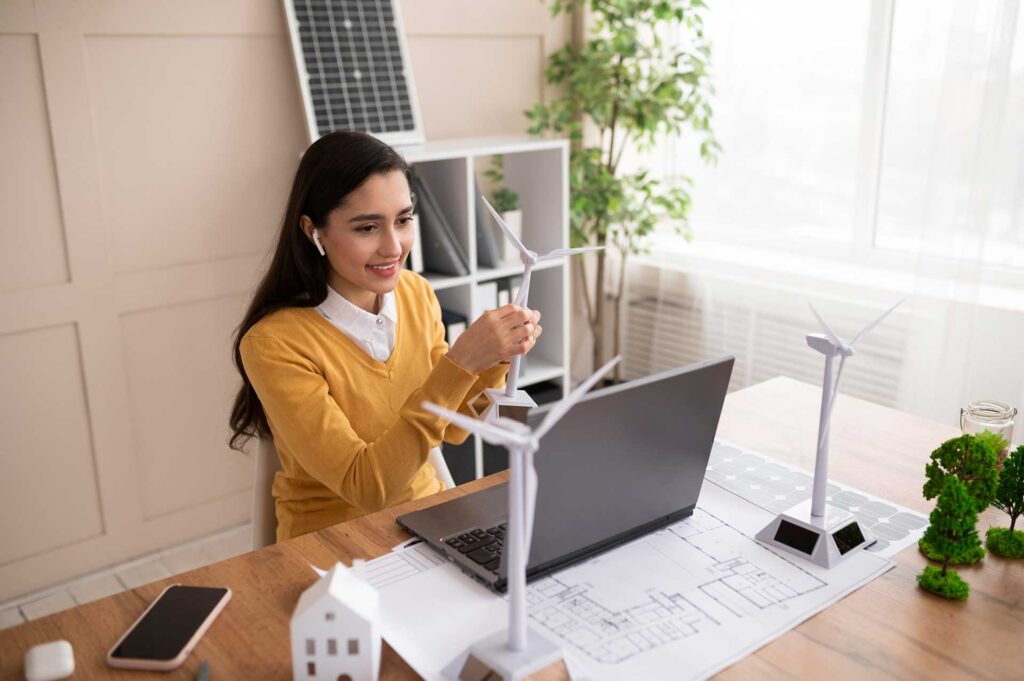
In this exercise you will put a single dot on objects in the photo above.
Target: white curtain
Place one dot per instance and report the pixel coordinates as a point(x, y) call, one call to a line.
point(877, 147)
point(950, 181)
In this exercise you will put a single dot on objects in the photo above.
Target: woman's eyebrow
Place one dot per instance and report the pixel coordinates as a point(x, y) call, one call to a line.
point(367, 217)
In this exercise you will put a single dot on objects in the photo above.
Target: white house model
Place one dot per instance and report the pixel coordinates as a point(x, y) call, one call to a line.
point(335, 628)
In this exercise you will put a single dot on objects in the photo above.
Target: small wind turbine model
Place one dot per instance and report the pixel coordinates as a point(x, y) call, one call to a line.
point(518, 652)
point(511, 398)
point(813, 529)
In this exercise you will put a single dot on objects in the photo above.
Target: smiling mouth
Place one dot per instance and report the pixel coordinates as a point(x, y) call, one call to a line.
point(383, 268)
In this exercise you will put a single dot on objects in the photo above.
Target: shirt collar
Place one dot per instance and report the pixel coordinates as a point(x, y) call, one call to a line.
point(340, 310)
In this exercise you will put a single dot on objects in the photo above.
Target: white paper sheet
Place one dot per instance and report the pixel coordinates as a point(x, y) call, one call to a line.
point(683, 602)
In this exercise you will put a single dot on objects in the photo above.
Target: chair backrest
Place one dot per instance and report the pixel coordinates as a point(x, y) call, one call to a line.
point(264, 515)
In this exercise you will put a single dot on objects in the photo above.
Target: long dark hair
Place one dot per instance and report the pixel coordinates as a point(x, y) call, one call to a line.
point(332, 167)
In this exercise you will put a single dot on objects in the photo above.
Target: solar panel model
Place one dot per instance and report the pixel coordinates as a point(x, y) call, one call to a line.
point(353, 67)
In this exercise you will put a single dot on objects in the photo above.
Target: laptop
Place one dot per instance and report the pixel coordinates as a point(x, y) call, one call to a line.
point(626, 460)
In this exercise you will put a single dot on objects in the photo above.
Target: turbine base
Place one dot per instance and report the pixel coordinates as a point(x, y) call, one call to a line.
point(826, 541)
point(491, 658)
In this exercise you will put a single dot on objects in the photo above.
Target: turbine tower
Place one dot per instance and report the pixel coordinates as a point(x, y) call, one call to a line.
point(518, 652)
point(511, 396)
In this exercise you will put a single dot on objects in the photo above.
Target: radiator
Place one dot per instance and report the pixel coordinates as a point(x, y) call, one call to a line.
point(672, 318)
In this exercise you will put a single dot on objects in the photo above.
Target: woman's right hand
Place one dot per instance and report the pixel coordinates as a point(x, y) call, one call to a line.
point(497, 336)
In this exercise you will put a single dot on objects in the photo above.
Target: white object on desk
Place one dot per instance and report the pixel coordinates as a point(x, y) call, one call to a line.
point(49, 661)
point(814, 530)
point(335, 629)
point(512, 396)
point(518, 652)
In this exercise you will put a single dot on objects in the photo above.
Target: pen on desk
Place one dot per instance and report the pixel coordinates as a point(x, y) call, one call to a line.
point(204, 671)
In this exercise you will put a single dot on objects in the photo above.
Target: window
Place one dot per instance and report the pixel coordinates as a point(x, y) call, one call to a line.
point(353, 646)
point(329, 616)
point(887, 132)
point(790, 80)
point(311, 668)
point(951, 169)
point(310, 646)
point(332, 646)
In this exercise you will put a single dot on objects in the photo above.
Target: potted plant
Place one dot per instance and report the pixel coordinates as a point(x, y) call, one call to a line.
point(506, 202)
point(640, 74)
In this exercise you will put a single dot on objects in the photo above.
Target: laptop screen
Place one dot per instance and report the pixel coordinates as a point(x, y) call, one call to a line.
point(625, 457)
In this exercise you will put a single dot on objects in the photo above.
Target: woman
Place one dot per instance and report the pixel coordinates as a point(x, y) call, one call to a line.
point(341, 345)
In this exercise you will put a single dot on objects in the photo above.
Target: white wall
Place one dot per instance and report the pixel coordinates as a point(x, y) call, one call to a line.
point(148, 148)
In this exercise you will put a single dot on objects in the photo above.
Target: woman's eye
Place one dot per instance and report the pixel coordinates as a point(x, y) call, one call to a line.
point(366, 229)
point(407, 220)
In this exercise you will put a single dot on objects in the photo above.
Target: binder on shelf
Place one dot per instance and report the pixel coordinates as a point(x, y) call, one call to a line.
point(442, 252)
point(489, 251)
point(485, 297)
point(504, 292)
point(454, 325)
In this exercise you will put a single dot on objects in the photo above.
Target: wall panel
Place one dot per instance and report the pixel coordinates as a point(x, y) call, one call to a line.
point(195, 165)
point(50, 498)
point(32, 250)
point(180, 431)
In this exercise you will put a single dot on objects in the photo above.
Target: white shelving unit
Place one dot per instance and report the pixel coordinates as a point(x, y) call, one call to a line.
point(538, 170)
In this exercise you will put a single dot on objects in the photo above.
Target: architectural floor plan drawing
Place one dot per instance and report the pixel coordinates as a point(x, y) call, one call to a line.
point(724, 577)
point(680, 603)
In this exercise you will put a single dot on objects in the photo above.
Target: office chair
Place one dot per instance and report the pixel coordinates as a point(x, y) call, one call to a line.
point(264, 514)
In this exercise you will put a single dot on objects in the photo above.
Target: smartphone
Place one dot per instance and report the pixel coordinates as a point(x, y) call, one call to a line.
point(169, 629)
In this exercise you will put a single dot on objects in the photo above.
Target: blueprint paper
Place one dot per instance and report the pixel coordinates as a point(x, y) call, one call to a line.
point(683, 602)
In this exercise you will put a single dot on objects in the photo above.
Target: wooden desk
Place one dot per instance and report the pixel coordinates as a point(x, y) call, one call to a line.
point(888, 629)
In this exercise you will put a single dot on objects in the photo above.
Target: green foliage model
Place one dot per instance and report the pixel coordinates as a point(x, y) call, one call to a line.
point(972, 460)
point(1009, 499)
point(950, 533)
point(640, 76)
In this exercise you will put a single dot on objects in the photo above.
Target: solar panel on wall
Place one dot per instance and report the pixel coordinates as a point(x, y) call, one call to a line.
point(354, 69)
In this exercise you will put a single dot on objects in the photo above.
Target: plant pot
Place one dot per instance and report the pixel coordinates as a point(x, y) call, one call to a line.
point(514, 220)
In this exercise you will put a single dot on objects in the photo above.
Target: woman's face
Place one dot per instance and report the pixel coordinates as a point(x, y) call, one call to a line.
point(368, 238)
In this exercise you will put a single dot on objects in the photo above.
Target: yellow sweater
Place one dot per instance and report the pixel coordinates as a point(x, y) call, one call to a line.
point(349, 429)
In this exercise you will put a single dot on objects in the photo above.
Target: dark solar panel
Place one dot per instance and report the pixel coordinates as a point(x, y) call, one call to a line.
point(356, 70)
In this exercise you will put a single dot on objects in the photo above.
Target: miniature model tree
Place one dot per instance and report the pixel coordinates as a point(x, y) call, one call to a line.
point(1009, 542)
point(950, 533)
point(972, 460)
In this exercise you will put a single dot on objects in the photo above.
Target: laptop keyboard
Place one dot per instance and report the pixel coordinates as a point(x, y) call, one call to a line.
point(482, 546)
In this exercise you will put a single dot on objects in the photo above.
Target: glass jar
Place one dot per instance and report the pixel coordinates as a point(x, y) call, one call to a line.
point(996, 417)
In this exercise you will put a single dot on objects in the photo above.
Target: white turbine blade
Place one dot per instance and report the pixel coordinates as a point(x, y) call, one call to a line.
point(508, 232)
point(832, 335)
point(834, 393)
point(560, 408)
point(488, 431)
point(562, 252)
point(867, 329)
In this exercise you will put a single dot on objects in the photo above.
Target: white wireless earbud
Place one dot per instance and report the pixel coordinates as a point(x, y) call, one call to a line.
point(319, 246)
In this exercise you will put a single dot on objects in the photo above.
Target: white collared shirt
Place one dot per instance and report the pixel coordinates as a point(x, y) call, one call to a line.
point(374, 333)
